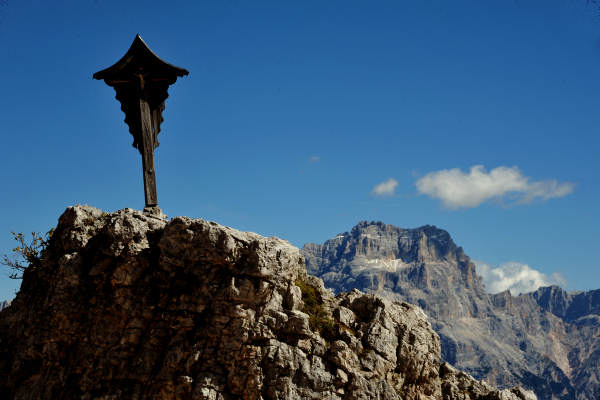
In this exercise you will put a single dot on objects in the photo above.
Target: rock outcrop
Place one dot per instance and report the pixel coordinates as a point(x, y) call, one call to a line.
point(547, 341)
point(129, 306)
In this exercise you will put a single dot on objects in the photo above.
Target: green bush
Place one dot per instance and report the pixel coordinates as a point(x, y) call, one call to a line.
point(319, 319)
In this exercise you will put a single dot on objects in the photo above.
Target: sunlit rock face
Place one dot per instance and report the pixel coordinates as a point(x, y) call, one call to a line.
point(548, 340)
point(129, 306)
point(4, 304)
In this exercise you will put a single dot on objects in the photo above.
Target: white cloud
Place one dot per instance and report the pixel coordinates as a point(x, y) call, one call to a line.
point(385, 188)
point(314, 159)
point(458, 189)
point(516, 277)
point(547, 190)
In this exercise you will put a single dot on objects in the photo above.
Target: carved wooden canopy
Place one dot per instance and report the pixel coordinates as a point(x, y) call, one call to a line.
point(141, 75)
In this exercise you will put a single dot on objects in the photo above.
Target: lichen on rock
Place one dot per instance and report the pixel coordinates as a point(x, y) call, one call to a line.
point(130, 306)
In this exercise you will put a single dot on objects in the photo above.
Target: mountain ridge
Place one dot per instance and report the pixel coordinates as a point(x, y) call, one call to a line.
point(536, 339)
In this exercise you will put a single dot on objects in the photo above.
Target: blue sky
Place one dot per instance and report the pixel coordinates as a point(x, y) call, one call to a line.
point(294, 112)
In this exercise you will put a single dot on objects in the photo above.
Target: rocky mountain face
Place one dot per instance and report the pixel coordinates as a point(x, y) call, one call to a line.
point(547, 341)
point(130, 306)
point(4, 304)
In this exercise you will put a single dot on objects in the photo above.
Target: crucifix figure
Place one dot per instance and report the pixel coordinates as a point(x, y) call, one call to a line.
point(141, 80)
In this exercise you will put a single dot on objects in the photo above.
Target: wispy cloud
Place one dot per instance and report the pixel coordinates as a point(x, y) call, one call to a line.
point(385, 188)
point(458, 189)
point(314, 159)
point(516, 277)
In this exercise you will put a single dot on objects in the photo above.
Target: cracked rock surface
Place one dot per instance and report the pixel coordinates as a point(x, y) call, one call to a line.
point(130, 306)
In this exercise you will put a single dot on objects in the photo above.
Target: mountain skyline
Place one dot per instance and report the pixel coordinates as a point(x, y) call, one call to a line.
point(546, 341)
point(131, 306)
point(514, 277)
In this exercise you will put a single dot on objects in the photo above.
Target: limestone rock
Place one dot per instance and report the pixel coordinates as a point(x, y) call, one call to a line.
point(130, 306)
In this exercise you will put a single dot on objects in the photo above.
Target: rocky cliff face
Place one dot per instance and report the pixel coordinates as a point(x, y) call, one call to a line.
point(580, 315)
point(128, 306)
point(547, 341)
point(4, 304)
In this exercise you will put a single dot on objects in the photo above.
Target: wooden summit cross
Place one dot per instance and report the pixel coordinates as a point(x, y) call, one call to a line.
point(141, 80)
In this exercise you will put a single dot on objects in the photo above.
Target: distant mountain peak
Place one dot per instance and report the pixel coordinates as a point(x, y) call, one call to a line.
point(503, 338)
point(382, 226)
point(383, 256)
